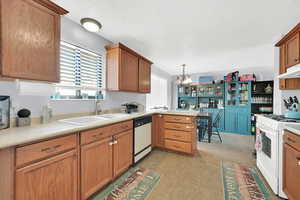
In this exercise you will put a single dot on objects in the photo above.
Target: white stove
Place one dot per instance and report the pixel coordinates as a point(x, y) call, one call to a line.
point(269, 156)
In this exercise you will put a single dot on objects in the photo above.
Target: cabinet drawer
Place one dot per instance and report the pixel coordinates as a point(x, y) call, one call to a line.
point(179, 127)
point(95, 134)
point(292, 139)
point(121, 127)
point(178, 146)
point(178, 135)
point(44, 149)
point(178, 119)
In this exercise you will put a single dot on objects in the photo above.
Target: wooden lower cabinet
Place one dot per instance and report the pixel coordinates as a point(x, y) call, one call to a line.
point(122, 152)
point(291, 165)
point(105, 159)
point(174, 132)
point(96, 166)
point(158, 139)
point(51, 179)
point(291, 173)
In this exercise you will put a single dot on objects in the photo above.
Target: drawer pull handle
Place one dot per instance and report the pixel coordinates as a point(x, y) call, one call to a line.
point(96, 135)
point(123, 127)
point(49, 149)
point(291, 140)
point(189, 127)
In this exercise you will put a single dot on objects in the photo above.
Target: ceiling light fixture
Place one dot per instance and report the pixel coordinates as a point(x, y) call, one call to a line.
point(183, 79)
point(90, 24)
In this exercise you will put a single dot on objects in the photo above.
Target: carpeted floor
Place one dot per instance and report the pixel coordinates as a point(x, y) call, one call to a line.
point(196, 178)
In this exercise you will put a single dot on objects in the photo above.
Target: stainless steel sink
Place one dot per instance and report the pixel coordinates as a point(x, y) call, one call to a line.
point(113, 116)
point(81, 121)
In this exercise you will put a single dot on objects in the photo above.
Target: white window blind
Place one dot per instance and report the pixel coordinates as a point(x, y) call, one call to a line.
point(159, 93)
point(80, 68)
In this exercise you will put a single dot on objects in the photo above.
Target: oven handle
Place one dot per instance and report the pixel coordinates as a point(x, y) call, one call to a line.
point(262, 130)
point(266, 132)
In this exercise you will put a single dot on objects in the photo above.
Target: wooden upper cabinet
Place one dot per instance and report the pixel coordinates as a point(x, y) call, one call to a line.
point(144, 76)
point(30, 39)
point(289, 56)
point(53, 178)
point(127, 70)
point(292, 51)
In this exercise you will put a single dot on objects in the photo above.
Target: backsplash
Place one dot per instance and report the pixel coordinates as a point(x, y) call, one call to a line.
point(34, 103)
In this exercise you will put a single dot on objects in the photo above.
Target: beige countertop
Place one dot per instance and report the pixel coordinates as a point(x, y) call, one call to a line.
point(22, 135)
point(294, 128)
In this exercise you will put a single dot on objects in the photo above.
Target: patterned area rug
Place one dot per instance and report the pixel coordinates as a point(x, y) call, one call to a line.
point(243, 183)
point(135, 184)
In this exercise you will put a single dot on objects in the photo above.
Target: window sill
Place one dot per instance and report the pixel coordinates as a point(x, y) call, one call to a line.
point(57, 100)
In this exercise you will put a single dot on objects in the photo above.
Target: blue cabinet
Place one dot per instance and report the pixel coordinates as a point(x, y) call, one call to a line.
point(230, 122)
point(238, 107)
point(237, 120)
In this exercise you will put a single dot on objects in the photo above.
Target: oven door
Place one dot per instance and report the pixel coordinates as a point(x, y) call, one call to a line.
point(267, 158)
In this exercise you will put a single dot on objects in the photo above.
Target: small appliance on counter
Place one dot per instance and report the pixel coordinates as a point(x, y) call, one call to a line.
point(130, 107)
point(4, 112)
point(23, 117)
point(292, 104)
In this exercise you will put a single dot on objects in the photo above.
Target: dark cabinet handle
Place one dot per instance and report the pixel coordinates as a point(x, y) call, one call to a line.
point(49, 149)
point(96, 135)
point(291, 140)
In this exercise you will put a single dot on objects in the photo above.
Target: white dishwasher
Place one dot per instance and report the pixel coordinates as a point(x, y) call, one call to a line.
point(142, 137)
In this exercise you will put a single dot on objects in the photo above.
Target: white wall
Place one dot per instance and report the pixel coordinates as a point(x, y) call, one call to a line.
point(75, 34)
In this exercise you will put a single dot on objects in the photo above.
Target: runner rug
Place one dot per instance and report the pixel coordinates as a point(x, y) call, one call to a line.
point(135, 184)
point(243, 183)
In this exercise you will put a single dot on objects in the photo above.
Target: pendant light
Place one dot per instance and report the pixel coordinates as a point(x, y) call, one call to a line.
point(183, 79)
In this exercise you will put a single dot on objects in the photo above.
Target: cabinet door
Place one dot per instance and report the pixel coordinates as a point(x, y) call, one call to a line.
point(144, 76)
point(158, 139)
point(129, 72)
point(282, 66)
point(230, 116)
point(291, 172)
point(30, 41)
point(243, 121)
point(96, 166)
point(286, 84)
point(292, 51)
point(51, 179)
point(122, 152)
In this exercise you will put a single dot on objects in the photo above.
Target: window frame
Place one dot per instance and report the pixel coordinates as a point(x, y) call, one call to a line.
point(78, 89)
